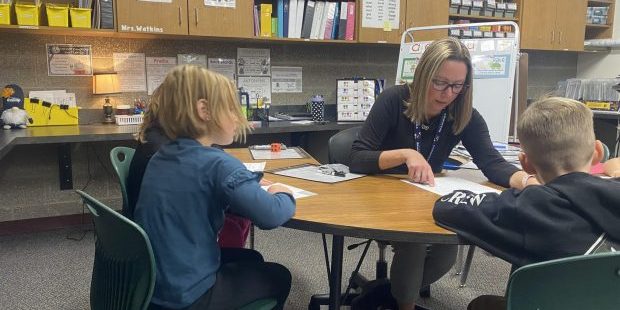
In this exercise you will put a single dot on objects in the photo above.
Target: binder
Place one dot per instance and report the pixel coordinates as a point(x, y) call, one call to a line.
point(256, 21)
point(324, 19)
point(285, 19)
point(334, 34)
point(308, 19)
point(292, 18)
point(106, 14)
point(280, 4)
point(316, 19)
point(265, 19)
point(300, 18)
point(342, 23)
point(350, 21)
point(274, 27)
point(329, 21)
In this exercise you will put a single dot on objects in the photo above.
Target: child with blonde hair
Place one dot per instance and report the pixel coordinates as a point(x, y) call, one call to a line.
point(565, 215)
point(187, 187)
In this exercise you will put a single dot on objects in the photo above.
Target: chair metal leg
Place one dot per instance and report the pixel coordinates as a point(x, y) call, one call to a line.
point(470, 256)
point(459, 260)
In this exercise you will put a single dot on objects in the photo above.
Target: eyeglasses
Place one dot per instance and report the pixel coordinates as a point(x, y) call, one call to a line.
point(456, 88)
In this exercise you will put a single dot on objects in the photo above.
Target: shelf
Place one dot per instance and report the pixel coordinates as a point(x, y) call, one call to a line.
point(484, 18)
point(58, 30)
point(601, 2)
point(598, 26)
point(111, 33)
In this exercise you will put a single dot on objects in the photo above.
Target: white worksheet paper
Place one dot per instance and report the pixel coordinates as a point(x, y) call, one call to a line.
point(268, 154)
point(156, 70)
point(446, 185)
point(312, 173)
point(297, 192)
point(255, 167)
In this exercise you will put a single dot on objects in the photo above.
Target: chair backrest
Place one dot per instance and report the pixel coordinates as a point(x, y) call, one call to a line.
point(339, 146)
point(580, 282)
point(606, 153)
point(121, 157)
point(124, 266)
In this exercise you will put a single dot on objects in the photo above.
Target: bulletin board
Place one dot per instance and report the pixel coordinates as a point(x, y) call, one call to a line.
point(494, 62)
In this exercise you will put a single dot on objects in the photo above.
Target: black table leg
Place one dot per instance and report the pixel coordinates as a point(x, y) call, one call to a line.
point(335, 279)
point(65, 171)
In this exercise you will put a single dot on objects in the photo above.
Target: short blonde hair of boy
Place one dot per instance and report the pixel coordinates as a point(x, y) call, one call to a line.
point(173, 104)
point(557, 134)
point(433, 57)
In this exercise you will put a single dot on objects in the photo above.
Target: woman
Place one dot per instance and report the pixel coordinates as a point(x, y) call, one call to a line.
point(412, 129)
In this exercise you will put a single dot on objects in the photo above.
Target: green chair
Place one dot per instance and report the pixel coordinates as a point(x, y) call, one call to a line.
point(580, 282)
point(606, 153)
point(120, 157)
point(124, 266)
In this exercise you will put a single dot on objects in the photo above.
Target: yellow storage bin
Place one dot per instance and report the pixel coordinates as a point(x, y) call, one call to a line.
point(27, 14)
point(5, 13)
point(57, 14)
point(80, 18)
point(51, 115)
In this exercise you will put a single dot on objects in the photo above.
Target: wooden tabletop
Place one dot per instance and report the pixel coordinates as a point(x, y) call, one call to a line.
point(377, 207)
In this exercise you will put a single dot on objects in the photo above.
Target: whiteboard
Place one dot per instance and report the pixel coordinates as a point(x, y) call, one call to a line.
point(494, 61)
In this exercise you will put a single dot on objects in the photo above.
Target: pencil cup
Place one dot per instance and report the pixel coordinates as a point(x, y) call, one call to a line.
point(317, 108)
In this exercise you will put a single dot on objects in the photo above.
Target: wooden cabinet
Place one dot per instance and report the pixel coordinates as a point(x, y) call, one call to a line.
point(235, 22)
point(380, 35)
point(553, 24)
point(601, 30)
point(427, 13)
point(152, 17)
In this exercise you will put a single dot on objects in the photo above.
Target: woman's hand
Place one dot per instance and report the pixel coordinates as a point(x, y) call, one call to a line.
point(419, 170)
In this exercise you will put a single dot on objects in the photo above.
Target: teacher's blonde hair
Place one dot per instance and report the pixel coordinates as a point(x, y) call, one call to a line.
point(430, 62)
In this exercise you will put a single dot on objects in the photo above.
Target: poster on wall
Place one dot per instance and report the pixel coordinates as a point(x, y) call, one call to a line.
point(223, 66)
point(69, 60)
point(490, 66)
point(408, 69)
point(383, 14)
point(221, 3)
point(286, 79)
point(156, 70)
point(130, 68)
point(192, 59)
point(257, 87)
point(253, 62)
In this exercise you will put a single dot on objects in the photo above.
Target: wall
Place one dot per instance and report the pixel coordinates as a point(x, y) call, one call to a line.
point(29, 185)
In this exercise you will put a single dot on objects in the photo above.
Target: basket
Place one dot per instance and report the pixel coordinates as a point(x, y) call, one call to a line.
point(128, 119)
point(5, 13)
point(57, 14)
point(80, 18)
point(27, 14)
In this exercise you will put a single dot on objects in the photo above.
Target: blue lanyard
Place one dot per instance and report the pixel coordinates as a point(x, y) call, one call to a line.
point(417, 134)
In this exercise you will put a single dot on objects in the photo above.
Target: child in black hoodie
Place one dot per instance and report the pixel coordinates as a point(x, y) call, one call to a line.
point(562, 217)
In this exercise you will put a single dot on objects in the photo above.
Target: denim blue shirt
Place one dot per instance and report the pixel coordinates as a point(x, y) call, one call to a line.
point(185, 191)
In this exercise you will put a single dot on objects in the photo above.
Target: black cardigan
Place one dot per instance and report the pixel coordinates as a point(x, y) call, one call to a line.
point(387, 128)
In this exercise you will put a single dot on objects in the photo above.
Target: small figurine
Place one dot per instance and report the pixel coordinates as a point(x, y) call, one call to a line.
point(15, 118)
